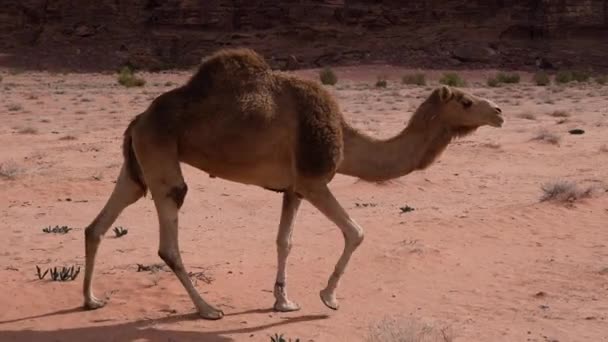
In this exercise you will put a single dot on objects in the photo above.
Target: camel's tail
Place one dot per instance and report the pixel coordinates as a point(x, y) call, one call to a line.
point(131, 164)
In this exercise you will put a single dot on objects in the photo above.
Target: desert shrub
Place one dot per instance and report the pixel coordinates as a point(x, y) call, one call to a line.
point(564, 191)
point(393, 330)
point(541, 78)
point(127, 78)
point(602, 79)
point(568, 76)
point(381, 82)
point(414, 79)
point(548, 137)
point(559, 114)
point(580, 76)
point(328, 76)
point(9, 170)
point(452, 79)
point(563, 77)
point(493, 82)
point(504, 77)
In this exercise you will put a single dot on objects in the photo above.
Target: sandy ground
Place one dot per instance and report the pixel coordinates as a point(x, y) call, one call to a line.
point(480, 257)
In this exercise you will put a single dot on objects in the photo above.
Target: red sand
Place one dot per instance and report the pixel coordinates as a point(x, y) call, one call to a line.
point(480, 254)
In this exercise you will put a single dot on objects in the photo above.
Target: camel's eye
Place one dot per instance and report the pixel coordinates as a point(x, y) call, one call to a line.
point(466, 103)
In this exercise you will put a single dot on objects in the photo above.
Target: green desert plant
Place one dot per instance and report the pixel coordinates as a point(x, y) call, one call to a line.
point(127, 78)
point(452, 79)
point(508, 78)
point(414, 79)
point(541, 78)
point(328, 76)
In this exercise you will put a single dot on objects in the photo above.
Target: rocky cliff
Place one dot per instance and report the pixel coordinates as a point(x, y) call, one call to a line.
point(155, 34)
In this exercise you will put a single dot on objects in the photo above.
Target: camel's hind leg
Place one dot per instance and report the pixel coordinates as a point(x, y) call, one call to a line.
point(323, 199)
point(125, 193)
point(163, 176)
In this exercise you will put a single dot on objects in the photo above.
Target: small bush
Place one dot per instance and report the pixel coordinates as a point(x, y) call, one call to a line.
point(328, 76)
point(127, 78)
point(392, 330)
point(414, 79)
point(603, 79)
point(560, 114)
point(563, 77)
point(27, 130)
point(13, 107)
point(541, 78)
point(493, 82)
point(527, 116)
point(509, 78)
point(280, 338)
point(547, 137)
point(580, 76)
point(452, 79)
point(381, 82)
point(9, 170)
point(564, 191)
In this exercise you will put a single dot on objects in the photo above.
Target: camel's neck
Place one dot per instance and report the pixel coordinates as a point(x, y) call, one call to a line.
point(416, 147)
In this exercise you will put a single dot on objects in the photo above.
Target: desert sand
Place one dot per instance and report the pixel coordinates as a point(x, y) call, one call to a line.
point(481, 257)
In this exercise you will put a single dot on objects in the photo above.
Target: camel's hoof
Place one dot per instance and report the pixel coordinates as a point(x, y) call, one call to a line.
point(329, 300)
point(94, 303)
point(286, 306)
point(211, 314)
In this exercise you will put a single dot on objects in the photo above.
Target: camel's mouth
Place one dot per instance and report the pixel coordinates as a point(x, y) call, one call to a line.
point(497, 121)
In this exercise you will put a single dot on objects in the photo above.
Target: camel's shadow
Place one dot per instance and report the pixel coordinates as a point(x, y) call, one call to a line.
point(141, 330)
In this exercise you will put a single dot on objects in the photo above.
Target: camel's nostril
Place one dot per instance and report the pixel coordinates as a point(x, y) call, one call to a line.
point(498, 110)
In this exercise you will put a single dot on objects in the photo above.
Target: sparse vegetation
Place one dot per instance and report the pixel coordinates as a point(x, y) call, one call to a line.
point(393, 330)
point(62, 274)
point(14, 107)
point(493, 82)
point(57, 229)
point(541, 78)
point(280, 338)
point(150, 268)
point(568, 76)
point(547, 137)
point(127, 78)
point(328, 76)
point(527, 116)
point(381, 82)
point(560, 114)
point(27, 130)
point(120, 232)
point(602, 79)
point(564, 191)
point(68, 137)
point(507, 78)
point(406, 209)
point(414, 79)
point(452, 79)
point(9, 170)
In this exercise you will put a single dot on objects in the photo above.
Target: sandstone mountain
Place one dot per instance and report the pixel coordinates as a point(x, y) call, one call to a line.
point(156, 34)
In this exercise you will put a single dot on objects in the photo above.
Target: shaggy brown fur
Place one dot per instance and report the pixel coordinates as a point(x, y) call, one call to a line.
point(238, 120)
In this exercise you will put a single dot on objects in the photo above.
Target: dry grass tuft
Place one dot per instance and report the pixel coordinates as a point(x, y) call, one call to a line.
point(547, 137)
point(127, 78)
point(564, 191)
point(527, 116)
point(68, 137)
point(14, 107)
point(328, 76)
point(393, 330)
point(453, 80)
point(27, 130)
point(414, 79)
point(560, 114)
point(9, 170)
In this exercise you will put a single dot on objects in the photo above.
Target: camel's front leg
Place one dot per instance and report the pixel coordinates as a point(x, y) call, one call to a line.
point(322, 199)
point(291, 203)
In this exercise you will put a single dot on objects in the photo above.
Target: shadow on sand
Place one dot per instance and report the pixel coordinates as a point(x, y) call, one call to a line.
point(142, 330)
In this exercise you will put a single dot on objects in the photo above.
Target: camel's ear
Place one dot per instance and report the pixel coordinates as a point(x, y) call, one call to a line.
point(445, 93)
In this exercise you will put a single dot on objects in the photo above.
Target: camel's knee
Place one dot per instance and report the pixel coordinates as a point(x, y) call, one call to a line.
point(171, 259)
point(355, 236)
point(92, 233)
point(284, 245)
point(178, 194)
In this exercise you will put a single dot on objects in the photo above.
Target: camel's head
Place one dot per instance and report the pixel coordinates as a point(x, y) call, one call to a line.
point(463, 111)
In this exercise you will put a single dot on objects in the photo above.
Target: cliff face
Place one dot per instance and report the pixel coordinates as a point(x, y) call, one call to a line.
point(100, 34)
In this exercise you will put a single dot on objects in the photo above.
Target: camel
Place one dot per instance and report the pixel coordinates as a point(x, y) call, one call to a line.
point(239, 120)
